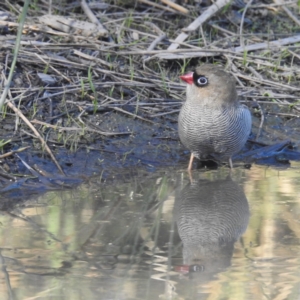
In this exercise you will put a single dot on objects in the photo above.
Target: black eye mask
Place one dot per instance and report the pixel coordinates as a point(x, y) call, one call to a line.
point(200, 80)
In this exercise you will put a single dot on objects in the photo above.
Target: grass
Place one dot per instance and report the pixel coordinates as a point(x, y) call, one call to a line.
point(92, 87)
point(3, 143)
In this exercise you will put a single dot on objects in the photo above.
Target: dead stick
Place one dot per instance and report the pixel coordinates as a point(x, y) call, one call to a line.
point(130, 114)
point(51, 67)
point(189, 53)
point(13, 152)
point(157, 5)
point(287, 11)
point(44, 144)
point(91, 16)
point(242, 23)
point(175, 6)
point(214, 8)
point(79, 129)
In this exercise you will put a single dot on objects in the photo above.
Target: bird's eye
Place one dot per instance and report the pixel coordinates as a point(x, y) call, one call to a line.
point(202, 81)
point(196, 268)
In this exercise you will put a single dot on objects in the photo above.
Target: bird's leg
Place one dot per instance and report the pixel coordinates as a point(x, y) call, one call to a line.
point(230, 163)
point(190, 175)
point(191, 162)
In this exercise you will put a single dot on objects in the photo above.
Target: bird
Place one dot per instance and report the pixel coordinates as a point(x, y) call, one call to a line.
point(212, 123)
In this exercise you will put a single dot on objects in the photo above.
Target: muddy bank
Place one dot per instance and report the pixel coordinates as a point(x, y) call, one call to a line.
point(148, 146)
point(108, 103)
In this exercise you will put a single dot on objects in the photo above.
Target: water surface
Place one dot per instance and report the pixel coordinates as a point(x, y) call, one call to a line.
point(158, 236)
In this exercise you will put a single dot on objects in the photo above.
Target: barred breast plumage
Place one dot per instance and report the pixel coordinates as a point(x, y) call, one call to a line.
point(212, 123)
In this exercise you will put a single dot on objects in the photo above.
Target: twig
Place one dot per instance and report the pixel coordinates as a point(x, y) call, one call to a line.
point(151, 3)
point(78, 129)
point(92, 17)
point(7, 176)
point(44, 144)
point(283, 114)
point(263, 62)
point(277, 43)
point(269, 82)
point(222, 29)
point(13, 152)
point(214, 8)
point(161, 37)
point(189, 53)
point(175, 6)
point(235, 71)
point(156, 41)
point(51, 67)
point(165, 113)
point(131, 114)
point(268, 6)
point(89, 57)
point(242, 23)
point(294, 53)
point(287, 11)
point(254, 72)
point(203, 36)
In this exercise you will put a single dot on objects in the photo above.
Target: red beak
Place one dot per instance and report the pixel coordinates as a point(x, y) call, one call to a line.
point(188, 78)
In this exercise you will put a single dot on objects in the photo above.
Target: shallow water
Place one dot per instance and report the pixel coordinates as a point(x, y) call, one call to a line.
point(158, 236)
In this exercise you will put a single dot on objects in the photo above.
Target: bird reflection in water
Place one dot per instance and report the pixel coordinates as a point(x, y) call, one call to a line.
point(211, 216)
